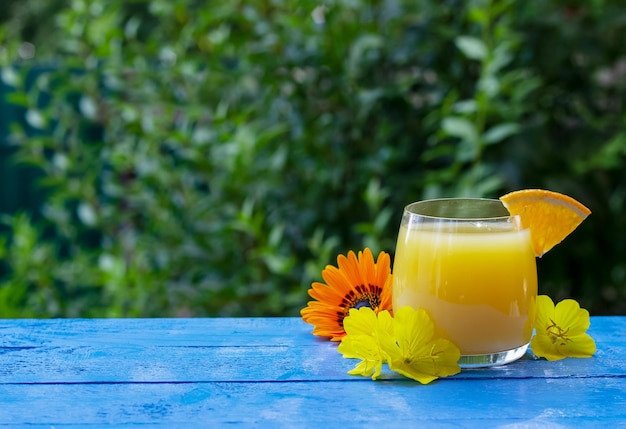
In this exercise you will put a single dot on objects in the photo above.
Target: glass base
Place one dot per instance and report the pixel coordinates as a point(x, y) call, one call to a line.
point(492, 359)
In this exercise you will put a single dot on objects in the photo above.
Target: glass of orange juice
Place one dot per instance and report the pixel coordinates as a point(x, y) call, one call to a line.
point(471, 266)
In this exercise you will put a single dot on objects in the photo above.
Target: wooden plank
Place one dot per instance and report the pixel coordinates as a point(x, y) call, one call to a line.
point(513, 403)
point(287, 331)
point(262, 363)
point(179, 332)
point(202, 350)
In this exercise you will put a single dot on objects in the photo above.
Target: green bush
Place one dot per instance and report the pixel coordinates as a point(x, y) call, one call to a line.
point(209, 158)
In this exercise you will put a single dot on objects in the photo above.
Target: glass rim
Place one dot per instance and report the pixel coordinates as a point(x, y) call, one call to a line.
point(495, 203)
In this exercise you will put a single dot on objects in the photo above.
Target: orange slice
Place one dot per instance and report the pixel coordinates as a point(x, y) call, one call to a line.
point(550, 216)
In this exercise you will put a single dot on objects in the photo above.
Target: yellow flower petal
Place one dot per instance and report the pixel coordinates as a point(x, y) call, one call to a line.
point(361, 321)
point(568, 313)
point(544, 311)
point(385, 325)
point(366, 348)
point(542, 346)
point(412, 327)
point(580, 346)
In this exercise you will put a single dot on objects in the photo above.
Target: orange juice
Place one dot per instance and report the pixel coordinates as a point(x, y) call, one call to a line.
point(477, 282)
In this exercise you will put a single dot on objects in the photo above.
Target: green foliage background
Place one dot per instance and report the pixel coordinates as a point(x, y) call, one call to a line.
point(210, 158)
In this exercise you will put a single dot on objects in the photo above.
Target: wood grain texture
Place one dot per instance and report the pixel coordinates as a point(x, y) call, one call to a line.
point(272, 372)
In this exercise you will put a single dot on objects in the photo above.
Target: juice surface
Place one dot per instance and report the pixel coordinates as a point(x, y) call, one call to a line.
point(478, 286)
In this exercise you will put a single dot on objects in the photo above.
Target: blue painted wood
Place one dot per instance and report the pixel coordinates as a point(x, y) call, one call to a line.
point(272, 372)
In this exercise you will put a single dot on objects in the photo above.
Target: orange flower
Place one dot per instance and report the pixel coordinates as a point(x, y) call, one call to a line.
point(357, 283)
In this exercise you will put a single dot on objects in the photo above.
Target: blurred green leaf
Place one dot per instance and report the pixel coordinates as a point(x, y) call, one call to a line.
point(460, 127)
point(500, 132)
point(472, 47)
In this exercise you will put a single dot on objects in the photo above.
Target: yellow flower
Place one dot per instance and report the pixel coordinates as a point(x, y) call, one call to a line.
point(405, 342)
point(414, 352)
point(560, 331)
point(357, 282)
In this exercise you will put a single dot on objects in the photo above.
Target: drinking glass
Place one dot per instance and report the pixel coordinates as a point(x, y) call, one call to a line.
point(471, 266)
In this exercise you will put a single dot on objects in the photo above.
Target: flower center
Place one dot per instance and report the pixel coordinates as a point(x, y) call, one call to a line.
point(361, 296)
point(557, 334)
point(362, 304)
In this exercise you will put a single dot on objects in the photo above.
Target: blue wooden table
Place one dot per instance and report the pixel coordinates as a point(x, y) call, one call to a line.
point(271, 372)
